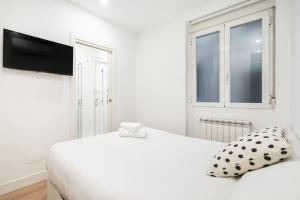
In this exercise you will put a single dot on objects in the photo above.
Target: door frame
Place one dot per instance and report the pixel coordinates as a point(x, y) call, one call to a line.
point(73, 86)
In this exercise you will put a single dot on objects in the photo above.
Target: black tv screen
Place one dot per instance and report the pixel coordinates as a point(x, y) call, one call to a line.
point(26, 52)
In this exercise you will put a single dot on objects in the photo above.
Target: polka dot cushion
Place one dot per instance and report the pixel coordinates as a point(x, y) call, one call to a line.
point(252, 151)
point(274, 130)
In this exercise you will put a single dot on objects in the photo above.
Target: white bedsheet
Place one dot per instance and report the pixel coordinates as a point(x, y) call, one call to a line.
point(277, 182)
point(162, 166)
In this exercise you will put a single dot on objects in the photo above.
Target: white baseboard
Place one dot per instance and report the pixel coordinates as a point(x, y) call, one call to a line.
point(22, 182)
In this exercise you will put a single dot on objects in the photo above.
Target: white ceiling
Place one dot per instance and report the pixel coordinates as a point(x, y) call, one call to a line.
point(138, 15)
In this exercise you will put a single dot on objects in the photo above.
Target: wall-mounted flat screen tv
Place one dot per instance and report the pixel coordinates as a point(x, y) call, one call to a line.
point(26, 52)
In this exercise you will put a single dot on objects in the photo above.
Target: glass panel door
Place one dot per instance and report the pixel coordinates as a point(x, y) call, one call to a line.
point(101, 99)
point(93, 91)
point(87, 98)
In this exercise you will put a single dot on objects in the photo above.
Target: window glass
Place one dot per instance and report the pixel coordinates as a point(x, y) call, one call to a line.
point(246, 63)
point(208, 67)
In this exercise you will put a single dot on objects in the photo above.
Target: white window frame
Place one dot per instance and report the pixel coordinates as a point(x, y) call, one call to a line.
point(267, 61)
point(220, 29)
point(264, 15)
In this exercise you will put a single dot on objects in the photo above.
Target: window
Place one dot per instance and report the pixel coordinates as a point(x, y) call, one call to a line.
point(246, 62)
point(208, 67)
point(231, 63)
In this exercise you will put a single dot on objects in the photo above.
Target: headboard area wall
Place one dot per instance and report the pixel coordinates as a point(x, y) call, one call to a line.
point(295, 70)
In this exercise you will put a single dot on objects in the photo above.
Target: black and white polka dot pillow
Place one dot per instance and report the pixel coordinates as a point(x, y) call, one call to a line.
point(253, 151)
point(273, 130)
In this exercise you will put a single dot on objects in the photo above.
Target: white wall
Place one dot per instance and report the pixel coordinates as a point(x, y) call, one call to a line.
point(295, 71)
point(160, 80)
point(161, 76)
point(35, 107)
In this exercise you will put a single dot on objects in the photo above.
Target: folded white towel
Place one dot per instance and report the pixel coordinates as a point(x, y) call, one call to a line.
point(139, 134)
point(132, 127)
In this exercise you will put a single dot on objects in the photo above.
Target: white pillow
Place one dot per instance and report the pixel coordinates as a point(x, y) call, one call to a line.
point(277, 182)
point(253, 151)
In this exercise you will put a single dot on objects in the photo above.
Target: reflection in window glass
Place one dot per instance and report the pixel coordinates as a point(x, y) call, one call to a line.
point(246, 63)
point(208, 61)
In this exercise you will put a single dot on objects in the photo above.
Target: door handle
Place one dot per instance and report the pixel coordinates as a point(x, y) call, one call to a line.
point(96, 102)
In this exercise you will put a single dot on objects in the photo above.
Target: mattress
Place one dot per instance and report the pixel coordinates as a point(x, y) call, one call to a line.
point(163, 166)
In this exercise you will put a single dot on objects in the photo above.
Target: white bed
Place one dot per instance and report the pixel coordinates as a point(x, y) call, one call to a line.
point(160, 167)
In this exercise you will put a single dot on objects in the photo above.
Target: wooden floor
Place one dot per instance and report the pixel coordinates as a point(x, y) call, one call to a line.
point(36, 191)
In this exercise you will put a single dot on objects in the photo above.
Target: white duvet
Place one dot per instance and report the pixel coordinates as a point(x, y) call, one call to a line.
point(162, 166)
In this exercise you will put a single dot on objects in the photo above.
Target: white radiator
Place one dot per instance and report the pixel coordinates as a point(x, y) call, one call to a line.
point(223, 130)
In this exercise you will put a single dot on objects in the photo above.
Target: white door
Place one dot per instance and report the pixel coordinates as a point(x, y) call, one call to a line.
point(93, 90)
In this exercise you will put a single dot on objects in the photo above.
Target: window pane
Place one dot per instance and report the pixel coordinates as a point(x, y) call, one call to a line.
point(246, 63)
point(208, 61)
